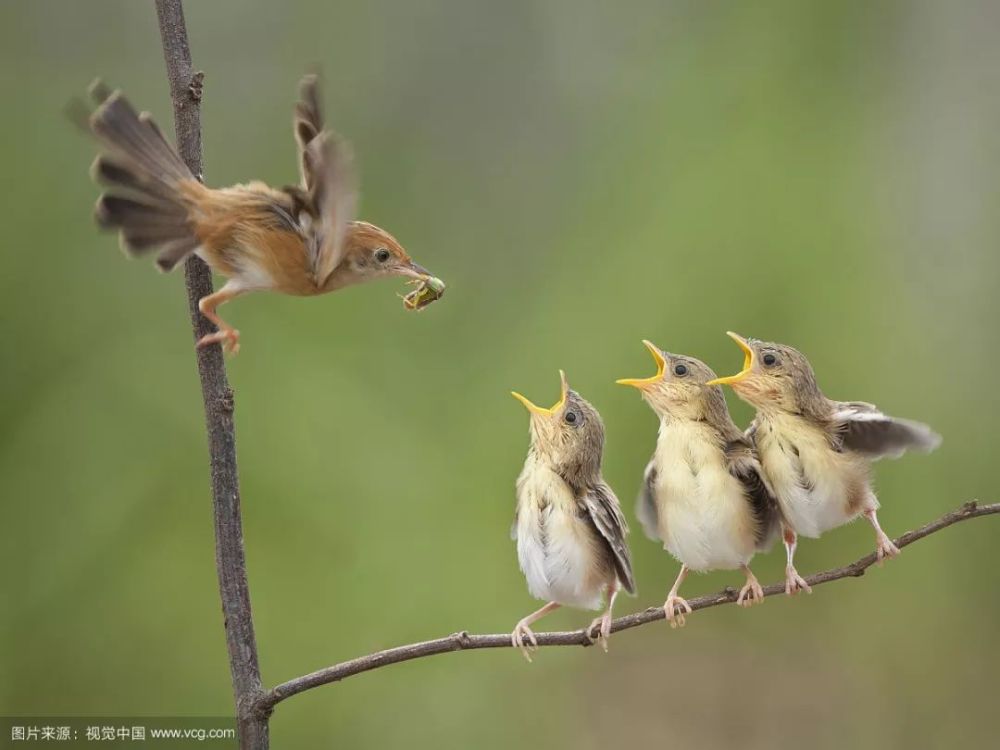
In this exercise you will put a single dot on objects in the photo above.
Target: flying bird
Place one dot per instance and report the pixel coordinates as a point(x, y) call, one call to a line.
point(568, 524)
point(816, 452)
point(703, 493)
point(300, 240)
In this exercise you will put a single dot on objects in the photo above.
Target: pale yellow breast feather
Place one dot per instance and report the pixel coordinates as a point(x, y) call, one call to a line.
point(704, 519)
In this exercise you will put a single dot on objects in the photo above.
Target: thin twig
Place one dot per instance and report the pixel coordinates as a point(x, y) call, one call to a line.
point(463, 641)
point(185, 93)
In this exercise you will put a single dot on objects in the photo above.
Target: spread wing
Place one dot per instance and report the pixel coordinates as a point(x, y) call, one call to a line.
point(308, 125)
point(862, 428)
point(745, 467)
point(326, 165)
point(603, 508)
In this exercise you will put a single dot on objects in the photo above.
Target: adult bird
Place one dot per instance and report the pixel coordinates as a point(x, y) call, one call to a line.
point(299, 240)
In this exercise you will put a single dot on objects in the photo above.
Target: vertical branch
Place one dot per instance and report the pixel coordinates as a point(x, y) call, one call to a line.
point(185, 92)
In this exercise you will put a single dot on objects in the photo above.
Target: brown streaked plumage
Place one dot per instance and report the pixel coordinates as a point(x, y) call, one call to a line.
point(299, 240)
point(704, 496)
point(817, 453)
point(569, 528)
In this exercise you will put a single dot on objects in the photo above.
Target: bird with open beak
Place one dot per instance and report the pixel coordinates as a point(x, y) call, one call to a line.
point(817, 453)
point(703, 494)
point(568, 524)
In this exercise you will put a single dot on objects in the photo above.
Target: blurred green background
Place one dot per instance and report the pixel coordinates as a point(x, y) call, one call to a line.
point(583, 175)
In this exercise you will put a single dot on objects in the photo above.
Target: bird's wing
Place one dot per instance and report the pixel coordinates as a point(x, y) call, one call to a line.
point(308, 125)
point(862, 428)
point(604, 510)
point(645, 507)
point(326, 165)
point(743, 464)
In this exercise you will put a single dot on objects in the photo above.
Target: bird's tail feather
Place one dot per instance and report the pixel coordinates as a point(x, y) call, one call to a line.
point(147, 182)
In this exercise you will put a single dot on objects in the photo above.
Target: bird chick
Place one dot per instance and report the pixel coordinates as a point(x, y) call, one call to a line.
point(568, 524)
point(299, 240)
point(703, 495)
point(817, 453)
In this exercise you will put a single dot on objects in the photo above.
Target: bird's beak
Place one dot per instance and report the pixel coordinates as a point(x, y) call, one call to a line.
point(417, 271)
point(747, 362)
point(534, 409)
point(661, 368)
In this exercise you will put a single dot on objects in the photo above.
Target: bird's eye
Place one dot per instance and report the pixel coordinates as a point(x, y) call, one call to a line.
point(769, 360)
point(680, 370)
point(571, 417)
point(382, 255)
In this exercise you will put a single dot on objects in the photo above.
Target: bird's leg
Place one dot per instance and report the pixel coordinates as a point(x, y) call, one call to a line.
point(226, 334)
point(522, 630)
point(676, 616)
point(751, 593)
point(883, 545)
point(604, 621)
point(794, 583)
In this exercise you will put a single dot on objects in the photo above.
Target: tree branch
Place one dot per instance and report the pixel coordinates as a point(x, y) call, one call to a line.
point(463, 641)
point(185, 93)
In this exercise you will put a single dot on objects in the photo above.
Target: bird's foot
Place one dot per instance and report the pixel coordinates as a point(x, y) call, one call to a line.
point(228, 337)
point(751, 593)
point(884, 547)
point(603, 625)
point(524, 639)
point(675, 608)
point(794, 583)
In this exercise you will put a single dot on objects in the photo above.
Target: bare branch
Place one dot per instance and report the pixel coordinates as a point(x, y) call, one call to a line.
point(185, 93)
point(463, 641)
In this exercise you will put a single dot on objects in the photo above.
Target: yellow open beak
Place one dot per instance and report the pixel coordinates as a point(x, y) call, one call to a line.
point(661, 367)
point(534, 409)
point(747, 362)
